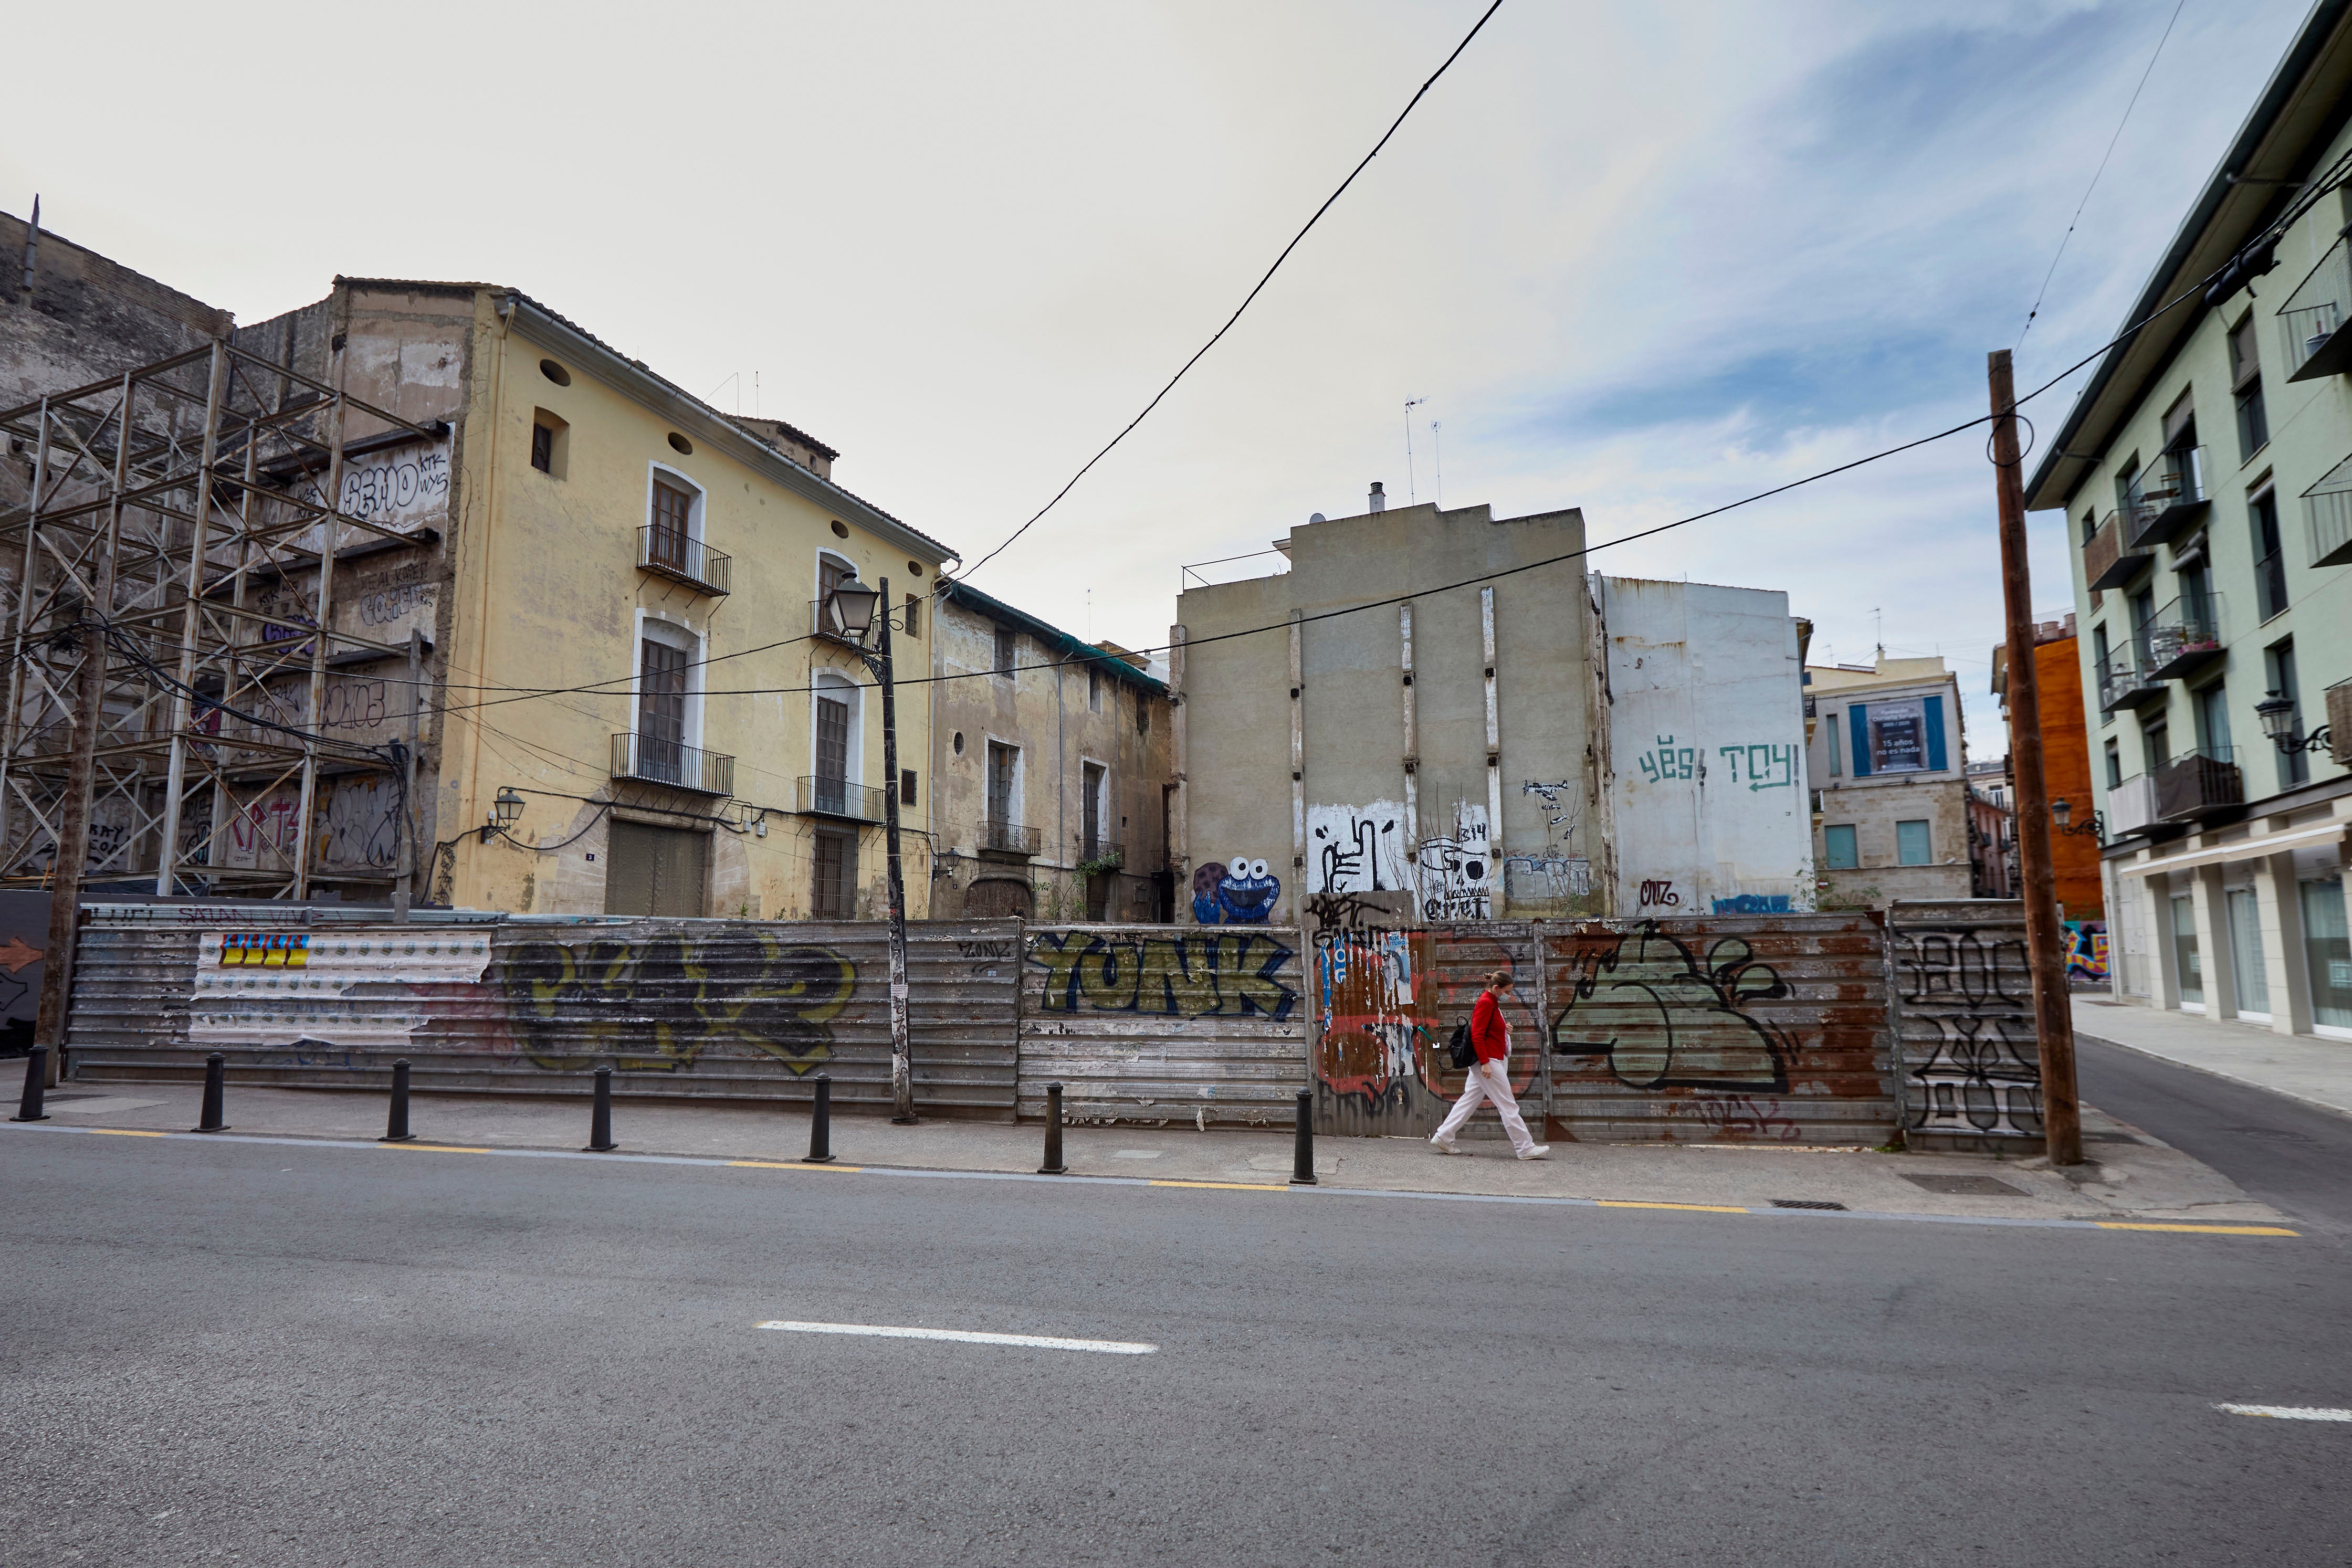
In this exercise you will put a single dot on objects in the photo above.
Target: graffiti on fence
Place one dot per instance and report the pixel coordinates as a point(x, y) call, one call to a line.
point(1238, 892)
point(1664, 1019)
point(1983, 1072)
point(2086, 951)
point(577, 1003)
point(1358, 911)
point(1371, 1041)
point(1166, 976)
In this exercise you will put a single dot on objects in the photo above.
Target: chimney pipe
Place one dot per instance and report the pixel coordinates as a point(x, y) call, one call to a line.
point(1380, 502)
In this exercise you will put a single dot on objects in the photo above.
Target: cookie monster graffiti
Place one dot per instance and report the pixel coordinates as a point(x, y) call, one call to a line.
point(1238, 892)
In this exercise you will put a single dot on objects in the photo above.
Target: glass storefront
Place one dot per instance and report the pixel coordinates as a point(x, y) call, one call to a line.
point(2328, 952)
point(2246, 952)
point(2184, 951)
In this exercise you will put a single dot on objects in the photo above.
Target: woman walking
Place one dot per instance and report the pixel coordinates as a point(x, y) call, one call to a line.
point(1490, 1075)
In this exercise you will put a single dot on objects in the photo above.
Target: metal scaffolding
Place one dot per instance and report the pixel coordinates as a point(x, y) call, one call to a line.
point(168, 541)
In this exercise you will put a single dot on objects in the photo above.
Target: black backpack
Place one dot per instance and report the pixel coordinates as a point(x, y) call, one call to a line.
point(1462, 1048)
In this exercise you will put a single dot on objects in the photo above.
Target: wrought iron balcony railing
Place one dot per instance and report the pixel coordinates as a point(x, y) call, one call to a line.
point(657, 761)
point(1008, 838)
point(822, 624)
point(2199, 785)
point(820, 797)
point(2165, 497)
point(2184, 637)
point(2123, 682)
point(681, 558)
point(1102, 852)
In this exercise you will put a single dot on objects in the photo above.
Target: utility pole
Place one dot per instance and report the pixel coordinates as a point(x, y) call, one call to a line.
point(902, 1068)
point(2054, 1020)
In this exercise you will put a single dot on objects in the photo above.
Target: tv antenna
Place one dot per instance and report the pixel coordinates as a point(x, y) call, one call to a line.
point(1411, 494)
point(1438, 450)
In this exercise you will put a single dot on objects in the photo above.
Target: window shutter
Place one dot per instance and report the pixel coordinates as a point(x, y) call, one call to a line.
point(1935, 714)
point(1858, 715)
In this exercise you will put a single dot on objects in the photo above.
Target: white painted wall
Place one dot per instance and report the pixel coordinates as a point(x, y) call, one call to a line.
point(1708, 801)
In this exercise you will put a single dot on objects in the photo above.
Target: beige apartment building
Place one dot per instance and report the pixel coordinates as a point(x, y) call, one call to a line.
point(2204, 478)
point(1886, 760)
point(1053, 765)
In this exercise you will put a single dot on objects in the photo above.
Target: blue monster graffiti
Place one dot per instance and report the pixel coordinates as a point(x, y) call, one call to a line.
point(1238, 892)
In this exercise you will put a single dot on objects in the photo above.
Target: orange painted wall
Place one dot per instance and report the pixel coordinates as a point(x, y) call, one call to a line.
point(2066, 766)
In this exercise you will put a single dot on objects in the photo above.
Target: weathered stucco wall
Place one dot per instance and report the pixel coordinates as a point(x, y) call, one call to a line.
point(1708, 806)
point(87, 317)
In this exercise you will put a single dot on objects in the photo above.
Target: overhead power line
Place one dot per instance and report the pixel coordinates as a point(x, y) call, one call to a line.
point(1253, 294)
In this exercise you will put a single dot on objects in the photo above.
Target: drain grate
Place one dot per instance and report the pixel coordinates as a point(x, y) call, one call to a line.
point(1805, 1203)
point(1966, 1186)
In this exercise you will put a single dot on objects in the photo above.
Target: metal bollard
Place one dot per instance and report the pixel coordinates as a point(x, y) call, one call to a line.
point(396, 1127)
point(215, 1077)
point(1302, 1156)
point(36, 1079)
point(600, 1120)
point(821, 1123)
point(1052, 1166)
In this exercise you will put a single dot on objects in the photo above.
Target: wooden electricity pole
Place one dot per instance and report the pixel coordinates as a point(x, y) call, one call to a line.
point(2053, 1020)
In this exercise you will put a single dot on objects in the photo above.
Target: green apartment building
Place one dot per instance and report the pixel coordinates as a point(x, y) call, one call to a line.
point(2206, 478)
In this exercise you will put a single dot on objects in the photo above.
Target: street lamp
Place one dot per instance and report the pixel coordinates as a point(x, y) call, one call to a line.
point(852, 608)
point(2061, 812)
point(505, 810)
point(2277, 713)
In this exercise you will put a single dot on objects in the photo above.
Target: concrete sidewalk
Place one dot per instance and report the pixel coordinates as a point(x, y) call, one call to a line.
point(2130, 1176)
point(2316, 1072)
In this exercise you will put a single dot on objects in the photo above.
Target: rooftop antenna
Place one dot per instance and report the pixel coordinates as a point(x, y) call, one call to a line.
point(1438, 449)
point(1879, 621)
point(755, 394)
point(1411, 494)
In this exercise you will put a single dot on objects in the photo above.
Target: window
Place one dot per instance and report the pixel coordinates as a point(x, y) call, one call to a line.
point(1830, 722)
point(1837, 847)
point(2212, 709)
point(2185, 956)
point(831, 787)
point(914, 616)
point(673, 526)
point(651, 871)
point(1911, 846)
point(2155, 743)
point(1142, 713)
point(905, 787)
point(1004, 783)
point(834, 895)
point(1093, 689)
point(2090, 527)
point(551, 440)
point(2115, 765)
point(2246, 965)
point(661, 710)
point(2278, 664)
point(2246, 380)
point(1092, 778)
point(1007, 651)
point(2327, 953)
point(2270, 561)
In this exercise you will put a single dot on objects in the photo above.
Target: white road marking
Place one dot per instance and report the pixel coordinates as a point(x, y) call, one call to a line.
point(2288, 1412)
point(969, 1336)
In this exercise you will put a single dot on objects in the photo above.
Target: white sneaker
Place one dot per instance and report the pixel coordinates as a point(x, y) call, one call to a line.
point(1536, 1151)
point(1443, 1145)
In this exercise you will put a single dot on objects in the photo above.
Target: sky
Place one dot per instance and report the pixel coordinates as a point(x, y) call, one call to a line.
point(1643, 260)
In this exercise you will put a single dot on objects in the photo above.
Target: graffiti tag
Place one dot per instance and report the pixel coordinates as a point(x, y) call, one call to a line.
point(1182, 977)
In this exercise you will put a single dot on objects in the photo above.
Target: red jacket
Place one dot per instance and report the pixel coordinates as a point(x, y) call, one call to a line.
point(1486, 1029)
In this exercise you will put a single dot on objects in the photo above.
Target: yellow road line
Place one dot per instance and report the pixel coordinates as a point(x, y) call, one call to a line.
point(792, 1165)
point(1699, 1207)
point(1227, 1185)
point(127, 1133)
point(436, 1148)
point(2199, 1229)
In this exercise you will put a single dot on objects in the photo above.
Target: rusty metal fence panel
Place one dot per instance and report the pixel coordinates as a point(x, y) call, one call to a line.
point(1159, 1024)
point(703, 1009)
point(1759, 1029)
point(1971, 1060)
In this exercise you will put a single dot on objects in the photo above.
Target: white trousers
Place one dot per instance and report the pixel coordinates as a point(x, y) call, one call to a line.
point(1488, 1081)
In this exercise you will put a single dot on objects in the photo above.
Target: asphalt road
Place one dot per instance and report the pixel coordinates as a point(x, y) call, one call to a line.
point(278, 1353)
point(2294, 1157)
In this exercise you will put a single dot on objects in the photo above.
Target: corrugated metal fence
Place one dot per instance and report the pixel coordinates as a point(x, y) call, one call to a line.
point(1964, 1025)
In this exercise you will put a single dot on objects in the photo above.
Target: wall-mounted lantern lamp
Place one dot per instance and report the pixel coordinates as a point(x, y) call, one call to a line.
point(851, 607)
point(505, 810)
point(2277, 713)
point(2061, 812)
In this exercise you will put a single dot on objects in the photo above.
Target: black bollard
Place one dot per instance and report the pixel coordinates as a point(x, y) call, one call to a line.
point(600, 1120)
point(37, 1081)
point(215, 1077)
point(1302, 1157)
point(396, 1127)
point(1052, 1166)
point(821, 1123)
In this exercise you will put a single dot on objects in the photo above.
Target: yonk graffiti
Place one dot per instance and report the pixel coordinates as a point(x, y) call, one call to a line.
point(1183, 976)
point(1663, 1019)
point(1238, 892)
point(575, 1004)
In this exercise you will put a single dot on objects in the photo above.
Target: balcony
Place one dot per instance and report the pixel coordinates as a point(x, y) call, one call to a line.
point(2166, 499)
point(657, 761)
point(2106, 563)
point(2200, 785)
point(2311, 319)
point(2122, 684)
point(667, 552)
point(822, 797)
point(1007, 838)
point(1103, 853)
point(2327, 506)
point(2185, 637)
point(2131, 806)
